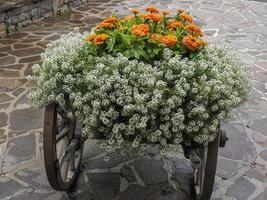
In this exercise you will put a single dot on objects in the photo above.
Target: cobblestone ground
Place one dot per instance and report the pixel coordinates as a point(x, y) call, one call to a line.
point(241, 173)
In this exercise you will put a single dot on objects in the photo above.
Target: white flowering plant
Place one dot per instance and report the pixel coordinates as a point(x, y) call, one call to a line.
point(130, 103)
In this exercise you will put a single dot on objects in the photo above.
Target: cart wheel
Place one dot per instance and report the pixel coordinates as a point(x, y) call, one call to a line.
point(205, 175)
point(63, 148)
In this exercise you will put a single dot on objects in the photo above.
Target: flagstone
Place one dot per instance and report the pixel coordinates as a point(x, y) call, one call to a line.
point(239, 146)
point(128, 173)
point(259, 125)
point(242, 189)
point(8, 73)
point(263, 154)
point(30, 59)
point(227, 168)
point(4, 106)
point(14, 66)
point(91, 20)
point(22, 46)
point(31, 195)
point(105, 186)
point(7, 60)
point(7, 85)
point(8, 186)
point(3, 119)
point(3, 137)
point(256, 174)
point(5, 48)
point(53, 37)
point(27, 52)
point(5, 98)
point(27, 41)
point(19, 150)
point(35, 177)
point(6, 41)
point(147, 168)
point(3, 55)
point(26, 119)
point(18, 91)
point(42, 44)
point(22, 102)
point(262, 196)
point(17, 35)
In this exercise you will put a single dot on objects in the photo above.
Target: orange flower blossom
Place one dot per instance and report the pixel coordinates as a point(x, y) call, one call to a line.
point(192, 42)
point(105, 25)
point(194, 29)
point(155, 37)
point(152, 10)
point(111, 20)
point(99, 39)
point(140, 30)
point(169, 40)
point(172, 25)
point(155, 17)
point(144, 16)
point(135, 11)
point(90, 38)
point(186, 17)
point(129, 18)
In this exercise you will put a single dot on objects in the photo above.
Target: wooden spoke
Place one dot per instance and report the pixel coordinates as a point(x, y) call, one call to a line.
point(64, 169)
point(62, 149)
point(78, 155)
point(62, 134)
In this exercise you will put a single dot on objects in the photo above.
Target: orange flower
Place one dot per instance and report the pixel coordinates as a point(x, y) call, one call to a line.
point(152, 16)
point(90, 38)
point(169, 40)
point(144, 16)
point(172, 25)
point(135, 11)
point(129, 18)
point(105, 25)
point(165, 12)
point(194, 29)
point(111, 20)
point(155, 37)
point(155, 17)
point(140, 30)
point(152, 10)
point(99, 39)
point(192, 42)
point(186, 17)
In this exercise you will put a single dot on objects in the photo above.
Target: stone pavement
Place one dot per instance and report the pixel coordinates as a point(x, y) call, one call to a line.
point(242, 168)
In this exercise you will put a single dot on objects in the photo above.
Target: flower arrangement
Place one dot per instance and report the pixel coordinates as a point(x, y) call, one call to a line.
point(145, 35)
point(146, 79)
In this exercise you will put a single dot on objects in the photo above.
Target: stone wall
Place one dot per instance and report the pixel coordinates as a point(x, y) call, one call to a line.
point(16, 14)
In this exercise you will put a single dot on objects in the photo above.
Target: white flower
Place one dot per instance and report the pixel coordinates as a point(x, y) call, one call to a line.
point(132, 104)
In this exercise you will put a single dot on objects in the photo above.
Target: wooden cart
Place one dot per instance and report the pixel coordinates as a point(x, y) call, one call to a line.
point(63, 148)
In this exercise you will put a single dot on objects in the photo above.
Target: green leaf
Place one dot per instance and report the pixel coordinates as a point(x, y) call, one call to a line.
point(111, 42)
point(156, 50)
point(128, 53)
point(127, 39)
